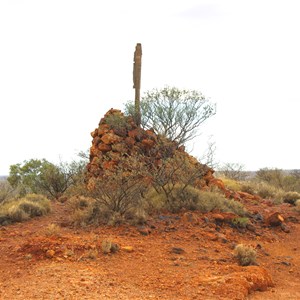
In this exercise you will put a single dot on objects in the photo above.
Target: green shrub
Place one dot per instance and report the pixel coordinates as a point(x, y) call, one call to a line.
point(246, 255)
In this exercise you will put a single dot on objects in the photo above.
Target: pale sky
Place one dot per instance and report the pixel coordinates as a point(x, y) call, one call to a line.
point(64, 63)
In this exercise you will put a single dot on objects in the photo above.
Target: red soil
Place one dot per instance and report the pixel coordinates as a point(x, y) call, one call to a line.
point(186, 256)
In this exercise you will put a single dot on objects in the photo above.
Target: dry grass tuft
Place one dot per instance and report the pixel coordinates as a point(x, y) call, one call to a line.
point(246, 255)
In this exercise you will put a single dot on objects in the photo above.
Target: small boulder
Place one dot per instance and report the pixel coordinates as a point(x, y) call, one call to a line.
point(274, 219)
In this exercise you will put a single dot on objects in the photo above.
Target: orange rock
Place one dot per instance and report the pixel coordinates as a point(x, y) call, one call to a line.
point(109, 165)
point(50, 253)
point(127, 248)
point(104, 147)
point(135, 134)
point(148, 143)
point(120, 148)
point(214, 181)
point(94, 151)
point(151, 134)
point(94, 133)
point(96, 140)
point(110, 138)
point(102, 129)
point(129, 141)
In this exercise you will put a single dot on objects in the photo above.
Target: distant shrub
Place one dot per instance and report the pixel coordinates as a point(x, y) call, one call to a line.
point(18, 210)
point(231, 184)
point(246, 255)
point(6, 191)
point(249, 187)
point(266, 190)
point(263, 189)
point(291, 197)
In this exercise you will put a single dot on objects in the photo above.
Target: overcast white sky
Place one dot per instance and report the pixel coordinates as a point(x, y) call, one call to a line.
point(64, 63)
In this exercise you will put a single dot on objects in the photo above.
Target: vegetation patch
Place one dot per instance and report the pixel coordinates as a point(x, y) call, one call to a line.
point(19, 210)
point(193, 199)
point(240, 222)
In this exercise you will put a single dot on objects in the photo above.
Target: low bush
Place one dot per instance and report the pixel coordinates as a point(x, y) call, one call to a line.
point(192, 199)
point(263, 189)
point(88, 211)
point(246, 255)
point(19, 210)
point(291, 197)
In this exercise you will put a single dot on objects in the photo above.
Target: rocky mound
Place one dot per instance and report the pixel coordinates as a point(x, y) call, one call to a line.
point(118, 137)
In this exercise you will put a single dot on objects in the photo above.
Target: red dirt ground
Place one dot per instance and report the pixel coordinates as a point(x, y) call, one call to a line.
point(69, 264)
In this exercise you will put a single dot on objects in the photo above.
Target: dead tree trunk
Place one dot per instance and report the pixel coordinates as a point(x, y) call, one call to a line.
point(137, 68)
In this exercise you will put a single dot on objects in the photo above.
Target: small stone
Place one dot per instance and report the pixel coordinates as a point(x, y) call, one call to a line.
point(144, 230)
point(177, 250)
point(285, 228)
point(127, 248)
point(274, 219)
point(50, 253)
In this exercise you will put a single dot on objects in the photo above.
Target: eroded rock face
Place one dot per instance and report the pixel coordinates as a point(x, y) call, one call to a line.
point(117, 137)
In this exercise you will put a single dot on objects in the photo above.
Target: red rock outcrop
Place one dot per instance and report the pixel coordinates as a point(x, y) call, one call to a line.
point(117, 137)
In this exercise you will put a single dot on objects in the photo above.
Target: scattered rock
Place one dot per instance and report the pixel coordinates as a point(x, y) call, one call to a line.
point(177, 250)
point(144, 230)
point(274, 219)
point(257, 217)
point(251, 227)
point(50, 253)
point(285, 228)
point(127, 248)
point(222, 237)
point(286, 263)
point(190, 217)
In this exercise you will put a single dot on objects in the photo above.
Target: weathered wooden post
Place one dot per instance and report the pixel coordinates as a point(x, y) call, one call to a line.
point(137, 68)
